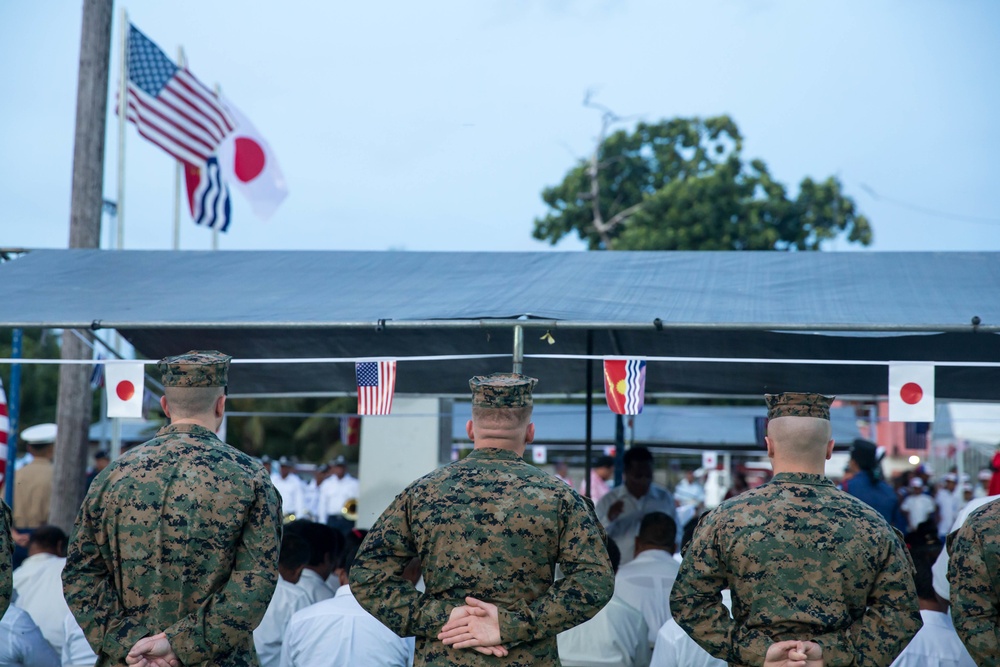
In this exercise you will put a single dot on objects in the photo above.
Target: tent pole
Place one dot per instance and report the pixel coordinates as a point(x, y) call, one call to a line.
point(590, 413)
point(518, 349)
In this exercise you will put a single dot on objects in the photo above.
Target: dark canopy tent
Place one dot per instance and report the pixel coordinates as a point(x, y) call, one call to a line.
point(708, 305)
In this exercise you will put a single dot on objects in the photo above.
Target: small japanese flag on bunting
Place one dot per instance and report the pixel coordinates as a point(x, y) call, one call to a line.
point(625, 385)
point(124, 384)
point(376, 385)
point(911, 392)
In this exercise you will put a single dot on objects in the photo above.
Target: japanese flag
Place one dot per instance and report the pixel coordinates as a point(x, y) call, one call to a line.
point(124, 384)
point(911, 392)
point(249, 165)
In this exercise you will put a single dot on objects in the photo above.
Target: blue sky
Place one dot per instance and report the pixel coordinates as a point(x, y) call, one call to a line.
point(436, 125)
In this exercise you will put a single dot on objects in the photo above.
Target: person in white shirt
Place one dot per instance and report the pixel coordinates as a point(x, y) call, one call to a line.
point(38, 582)
point(76, 651)
point(312, 490)
point(948, 501)
point(622, 508)
point(937, 644)
point(288, 599)
point(325, 549)
point(291, 489)
point(690, 491)
point(339, 632)
point(674, 648)
point(337, 489)
point(917, 507)
point(645, 583)
point(22, 643)
point(616, 635)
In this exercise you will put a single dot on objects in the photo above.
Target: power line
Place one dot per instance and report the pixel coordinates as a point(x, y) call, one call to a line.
point(928, 211)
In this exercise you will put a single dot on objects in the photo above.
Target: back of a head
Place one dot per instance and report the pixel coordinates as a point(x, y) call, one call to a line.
point(322, 540)
point(295, 551)
point(637, 455)
point(923, 577)
point(658, 531)
point(193, 382)
point(501, 406)
point(798, 425)
point(187, 402)
point(48, 539)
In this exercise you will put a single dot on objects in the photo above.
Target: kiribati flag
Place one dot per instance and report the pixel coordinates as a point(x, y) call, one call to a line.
point(625, 385)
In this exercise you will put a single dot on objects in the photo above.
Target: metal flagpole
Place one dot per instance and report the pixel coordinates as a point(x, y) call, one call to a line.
point(116, 427)
point(178, 175)
point(122, 118)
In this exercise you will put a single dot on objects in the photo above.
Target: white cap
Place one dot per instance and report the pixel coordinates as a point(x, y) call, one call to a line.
point(42, 434)
point(917, 483)
point(951, 477)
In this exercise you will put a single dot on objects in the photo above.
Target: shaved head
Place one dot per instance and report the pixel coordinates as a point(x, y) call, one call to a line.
point(799, 439)
point(188, 402)
point(506, 428)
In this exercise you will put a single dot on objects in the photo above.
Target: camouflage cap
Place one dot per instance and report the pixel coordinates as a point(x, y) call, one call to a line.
point(197, 368)
point(798, 404)
point(502, 390)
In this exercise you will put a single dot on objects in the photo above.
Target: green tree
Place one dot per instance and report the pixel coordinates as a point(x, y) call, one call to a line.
point(683, 184)
point(39, 382)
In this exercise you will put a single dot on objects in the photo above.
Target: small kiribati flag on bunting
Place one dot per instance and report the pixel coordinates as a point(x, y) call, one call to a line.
point(376, 385)
point(625, 385)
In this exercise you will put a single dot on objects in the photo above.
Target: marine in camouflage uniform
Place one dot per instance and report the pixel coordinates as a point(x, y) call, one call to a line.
point(974, 574)
point(180, 535)
point(493, 527)
point(803, 560)
point(6, 558)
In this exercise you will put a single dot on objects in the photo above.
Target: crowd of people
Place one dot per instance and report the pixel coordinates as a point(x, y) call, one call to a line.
point(188, 552)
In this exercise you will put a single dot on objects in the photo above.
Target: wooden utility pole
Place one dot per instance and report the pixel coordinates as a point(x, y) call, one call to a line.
point(75, 397)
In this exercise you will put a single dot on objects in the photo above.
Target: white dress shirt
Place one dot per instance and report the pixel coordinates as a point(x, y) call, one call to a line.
point(936, 645)
point(38, 582)
point(617, 635)
point(918, 506)
point(947, 504)
point(339, 632)
point(626, 526)
point(689, 493)
point(288, 599)
point(311, 495)
point(22, 643)
point(645, 584)
point(334, 494)
point(674, 648)
point(293, 494)
point(314, 586)
point(76, 652)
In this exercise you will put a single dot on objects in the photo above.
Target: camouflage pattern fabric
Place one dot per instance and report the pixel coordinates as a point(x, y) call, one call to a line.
point(493, 527)
point(803, 560)
point(180, 535)
point(798, 404)
point(974, 574)
point(197, 368)
point(6, 558)
point(502, 390)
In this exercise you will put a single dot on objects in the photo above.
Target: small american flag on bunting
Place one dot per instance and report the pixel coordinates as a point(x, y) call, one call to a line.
point(376, 385)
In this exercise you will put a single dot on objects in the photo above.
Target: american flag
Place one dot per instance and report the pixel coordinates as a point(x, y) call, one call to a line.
point(208, 194)
point(4, 432)
point(376, 384)
point(170, 107)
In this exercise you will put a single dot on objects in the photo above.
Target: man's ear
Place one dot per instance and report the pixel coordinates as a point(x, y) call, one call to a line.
point(829, 450)
point(469, 432)
point(165, 406)
point(220, 406)
point(529, 434)
point(770, 446)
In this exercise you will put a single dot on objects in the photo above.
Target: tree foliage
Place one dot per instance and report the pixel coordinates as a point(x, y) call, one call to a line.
point(683, 184)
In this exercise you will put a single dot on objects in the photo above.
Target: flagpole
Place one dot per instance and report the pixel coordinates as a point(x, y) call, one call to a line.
point(178, 174)
point(122, 117)
point(116, 427)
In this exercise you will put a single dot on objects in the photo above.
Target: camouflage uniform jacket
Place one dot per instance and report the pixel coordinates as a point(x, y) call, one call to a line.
point(180, 535)
point(493, 527)
point(803, 560)
point(6, 558)
point(974, 573)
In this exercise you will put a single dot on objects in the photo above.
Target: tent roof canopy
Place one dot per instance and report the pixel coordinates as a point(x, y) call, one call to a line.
point(705, 305)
